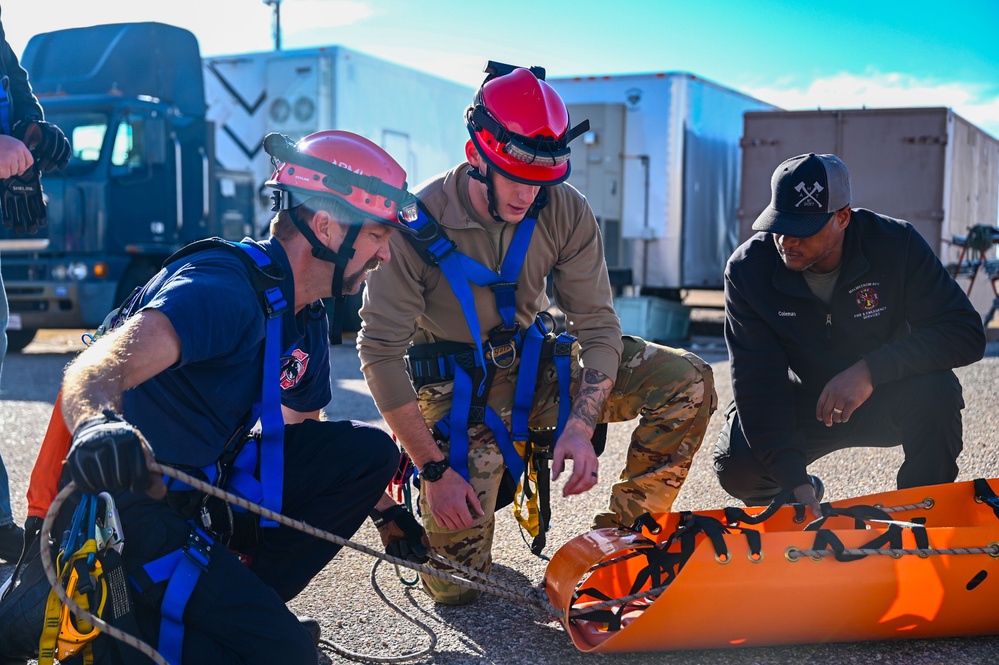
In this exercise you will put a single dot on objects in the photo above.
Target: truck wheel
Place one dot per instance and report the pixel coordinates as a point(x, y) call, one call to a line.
point(18, 339)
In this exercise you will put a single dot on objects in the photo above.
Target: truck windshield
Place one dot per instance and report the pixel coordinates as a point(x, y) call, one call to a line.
point(86, 133)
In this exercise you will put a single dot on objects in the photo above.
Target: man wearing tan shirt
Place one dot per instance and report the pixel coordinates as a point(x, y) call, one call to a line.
point(470, 298)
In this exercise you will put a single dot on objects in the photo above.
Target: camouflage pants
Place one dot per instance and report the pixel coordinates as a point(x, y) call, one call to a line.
point(673, 392)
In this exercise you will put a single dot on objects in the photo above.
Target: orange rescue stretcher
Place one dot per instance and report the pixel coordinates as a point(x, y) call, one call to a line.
point(915, 563)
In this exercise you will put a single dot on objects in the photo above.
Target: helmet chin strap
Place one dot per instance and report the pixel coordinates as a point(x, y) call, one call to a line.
point(340, 259)
point(487, 180)
point(540, 201)
point(339, 297)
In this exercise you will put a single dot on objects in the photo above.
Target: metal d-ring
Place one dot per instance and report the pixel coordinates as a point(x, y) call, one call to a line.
point(513, 356)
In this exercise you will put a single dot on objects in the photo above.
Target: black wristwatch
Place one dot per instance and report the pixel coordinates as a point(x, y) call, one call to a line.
point(432, 471)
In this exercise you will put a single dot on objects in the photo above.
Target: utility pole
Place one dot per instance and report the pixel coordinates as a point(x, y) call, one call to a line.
point(277, 22)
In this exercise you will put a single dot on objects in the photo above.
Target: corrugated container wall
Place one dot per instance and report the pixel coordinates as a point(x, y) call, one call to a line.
point(661, 169)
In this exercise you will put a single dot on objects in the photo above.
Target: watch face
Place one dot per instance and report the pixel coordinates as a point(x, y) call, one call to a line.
point(433, 471)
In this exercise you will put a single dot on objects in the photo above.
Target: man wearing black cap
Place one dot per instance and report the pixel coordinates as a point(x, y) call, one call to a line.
point(843, 329)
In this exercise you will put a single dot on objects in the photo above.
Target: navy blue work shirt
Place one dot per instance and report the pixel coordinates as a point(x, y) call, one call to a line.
point(191, 410)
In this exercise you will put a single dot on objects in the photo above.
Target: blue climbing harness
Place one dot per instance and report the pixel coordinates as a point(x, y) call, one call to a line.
point(472, 370)
point(239, 476)
point(184, 566)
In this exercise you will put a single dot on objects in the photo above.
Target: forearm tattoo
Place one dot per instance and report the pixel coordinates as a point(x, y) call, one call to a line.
point(594, 387)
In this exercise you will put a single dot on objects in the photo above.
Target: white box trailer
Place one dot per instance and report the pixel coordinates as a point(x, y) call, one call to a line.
point(415, 116)
point(928, 166)
point(660, 167)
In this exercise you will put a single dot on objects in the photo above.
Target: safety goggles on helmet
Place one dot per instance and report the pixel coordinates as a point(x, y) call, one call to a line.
point(344, 166)
point(520, 125)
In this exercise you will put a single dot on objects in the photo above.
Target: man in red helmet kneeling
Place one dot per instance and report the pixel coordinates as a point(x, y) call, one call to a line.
point(497, 392)
point(226, 336)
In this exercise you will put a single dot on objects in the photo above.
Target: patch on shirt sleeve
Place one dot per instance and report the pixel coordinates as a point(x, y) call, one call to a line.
point(293, 368)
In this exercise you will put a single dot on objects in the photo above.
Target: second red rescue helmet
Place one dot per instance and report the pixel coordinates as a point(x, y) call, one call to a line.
point(520, 127)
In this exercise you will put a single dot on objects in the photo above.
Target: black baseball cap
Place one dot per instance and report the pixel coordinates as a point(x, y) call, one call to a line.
point(807, 191)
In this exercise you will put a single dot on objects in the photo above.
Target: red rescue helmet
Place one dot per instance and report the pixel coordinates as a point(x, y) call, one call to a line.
point(520, 127)
point(344, 166)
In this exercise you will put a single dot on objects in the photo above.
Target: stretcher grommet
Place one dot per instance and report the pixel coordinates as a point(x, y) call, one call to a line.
point(792, 554)
point(879, 506)
point(755, 557)
point(929, 502)
point(815, 557)
point(723, 558)
point(798, 520)
point(896, 554)
point(923, 554)
point(995, 550)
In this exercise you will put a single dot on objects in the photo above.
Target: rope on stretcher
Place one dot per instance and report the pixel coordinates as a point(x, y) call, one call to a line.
point(534, 596)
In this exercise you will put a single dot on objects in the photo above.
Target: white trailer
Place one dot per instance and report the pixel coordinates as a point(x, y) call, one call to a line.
point(660, 167)
point(928, 166)
point(416, 117)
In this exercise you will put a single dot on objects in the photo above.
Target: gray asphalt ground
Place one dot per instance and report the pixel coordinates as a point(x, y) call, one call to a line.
point(498, 631)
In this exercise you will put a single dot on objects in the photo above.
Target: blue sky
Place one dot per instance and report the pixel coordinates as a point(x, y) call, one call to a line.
point(841, 54)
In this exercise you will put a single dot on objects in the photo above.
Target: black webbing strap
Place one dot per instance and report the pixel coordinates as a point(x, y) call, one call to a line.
point(755, 540)
point(263, 278)
point(119, 609)
point(922, 537)
point(662, 562)
point(539, 450)
point(891, 537)
point(664, 565)
point(608, 616)
point(860, 514)
point(827, 539)
point(735, 515)
point(985, 494)
point(430, 241)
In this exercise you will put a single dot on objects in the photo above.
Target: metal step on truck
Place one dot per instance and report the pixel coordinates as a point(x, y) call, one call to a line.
point(142, 180)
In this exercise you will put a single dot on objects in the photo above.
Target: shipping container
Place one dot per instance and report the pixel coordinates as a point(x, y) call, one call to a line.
point(416, 117)
point(660, 167)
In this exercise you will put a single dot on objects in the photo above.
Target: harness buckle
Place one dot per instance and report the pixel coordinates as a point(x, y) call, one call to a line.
point(500, 352)
point(199, 548)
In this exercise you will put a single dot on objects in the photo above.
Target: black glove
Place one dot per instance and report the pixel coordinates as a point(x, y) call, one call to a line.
point(109, 454)
point(402, 536)
point(32, 527)
point(21, 203)
point(49, 146)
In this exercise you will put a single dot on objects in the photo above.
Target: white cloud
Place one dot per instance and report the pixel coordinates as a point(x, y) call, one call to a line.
point(974, 102)
point(327, 13)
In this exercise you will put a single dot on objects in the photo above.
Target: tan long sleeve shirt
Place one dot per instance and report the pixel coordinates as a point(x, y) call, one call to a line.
point(408, 299)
